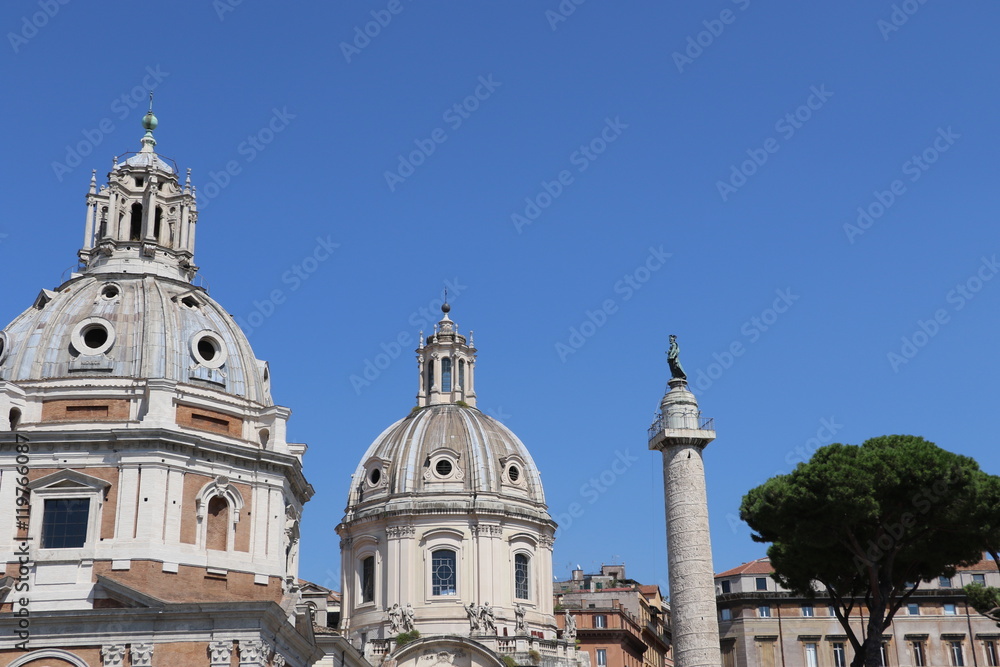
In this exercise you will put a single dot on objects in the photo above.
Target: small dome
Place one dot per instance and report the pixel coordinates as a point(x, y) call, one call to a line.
point(132, 326)
point(146, 160)
point(447, 449)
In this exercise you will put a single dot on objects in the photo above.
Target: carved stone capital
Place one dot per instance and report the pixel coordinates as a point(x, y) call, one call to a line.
point(113, 655)
point(251, 653)
point(220, 653)
point(142, 655)
point(396, 532)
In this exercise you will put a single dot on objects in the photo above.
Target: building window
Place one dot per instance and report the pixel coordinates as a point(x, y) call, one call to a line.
point(811, 657)
point(444, 579)
point(430, 375)
point(64, 523)
point(368, 579)
point(955, 650)
point(521, 576)
point(883, 658)
point(979, 579)
point(764, 611)
point(990, 646)
point(808, 611)
point(461, 373)
point(950, 609)
point(135, 223)
point(839, 656)
point(600, 621)
point(217, 526)
point(944, 582)
point(727, 587)
point(833, 612)
point(913, 609)
point(602, 657)
point(726, 614)
point(761, 583)
point(156, 222)
point(446, 374)
point(918, 654)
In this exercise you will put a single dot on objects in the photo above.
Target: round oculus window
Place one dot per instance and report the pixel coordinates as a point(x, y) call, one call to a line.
point(3, 345)
point(375, 476)
point(443, 467)
point(110, 291)
point(513, 474)
point(208, 350)
point(93, 336)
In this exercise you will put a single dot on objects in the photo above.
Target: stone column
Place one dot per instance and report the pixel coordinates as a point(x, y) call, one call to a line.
point(679, 435)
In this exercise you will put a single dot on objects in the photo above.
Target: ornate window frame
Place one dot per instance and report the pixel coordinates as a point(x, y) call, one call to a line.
point(440, 454)
point(64, 485)
point(366, 546)
point(435, 540)
point(51, 654)
point(513, 460)
point(223, 488)
point(524, 544)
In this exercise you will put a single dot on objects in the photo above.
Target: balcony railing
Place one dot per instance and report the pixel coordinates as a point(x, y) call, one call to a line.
point(661, 423)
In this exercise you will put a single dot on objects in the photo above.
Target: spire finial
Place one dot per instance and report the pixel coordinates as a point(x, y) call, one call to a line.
point(149, 123)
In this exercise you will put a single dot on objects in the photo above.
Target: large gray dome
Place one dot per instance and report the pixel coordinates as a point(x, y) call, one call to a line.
point(443, 449)
point(132, 326)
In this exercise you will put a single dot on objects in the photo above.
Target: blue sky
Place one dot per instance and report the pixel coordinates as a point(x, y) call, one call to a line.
point(622, 170)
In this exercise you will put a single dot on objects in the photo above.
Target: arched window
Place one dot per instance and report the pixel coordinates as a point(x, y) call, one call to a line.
point(430, 375)
point(521, 576)
point(217, 531)
point(368, 579)
point(156, 222)
point(446, 374)
point(461, 373)
point(135, 223)
point(444, 580)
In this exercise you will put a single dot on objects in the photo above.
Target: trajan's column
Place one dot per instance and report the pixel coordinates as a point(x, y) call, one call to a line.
point(681, 434)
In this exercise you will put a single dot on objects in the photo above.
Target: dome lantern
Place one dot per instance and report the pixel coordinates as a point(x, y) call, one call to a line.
point(446, 365)
point(142, 220)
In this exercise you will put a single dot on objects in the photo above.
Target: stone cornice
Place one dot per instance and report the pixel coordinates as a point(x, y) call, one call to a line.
point(121, 440)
